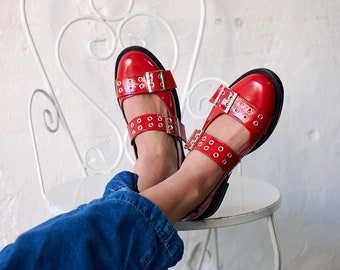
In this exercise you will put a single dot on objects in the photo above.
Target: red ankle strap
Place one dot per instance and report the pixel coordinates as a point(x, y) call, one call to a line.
point(218, 151)
point(169, 124)
point(153, 81)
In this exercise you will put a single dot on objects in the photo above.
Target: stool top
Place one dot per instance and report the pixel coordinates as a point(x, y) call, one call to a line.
point(246, 200)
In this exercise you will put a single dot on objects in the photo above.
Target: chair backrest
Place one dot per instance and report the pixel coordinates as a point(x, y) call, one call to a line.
point(83, 137)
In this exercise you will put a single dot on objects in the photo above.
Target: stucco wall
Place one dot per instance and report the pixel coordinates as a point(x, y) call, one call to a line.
point(299, 40)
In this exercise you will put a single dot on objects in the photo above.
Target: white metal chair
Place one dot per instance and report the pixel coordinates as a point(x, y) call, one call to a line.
point(247, 199)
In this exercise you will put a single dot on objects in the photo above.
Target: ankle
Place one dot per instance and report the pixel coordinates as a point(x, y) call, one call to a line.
point(157, 158)
point(204, 173)
point(156, 145)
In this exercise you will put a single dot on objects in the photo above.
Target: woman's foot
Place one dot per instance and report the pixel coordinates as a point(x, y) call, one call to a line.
point(147, 96)
point(198, 175)
point(157, 154)
point(242, 119)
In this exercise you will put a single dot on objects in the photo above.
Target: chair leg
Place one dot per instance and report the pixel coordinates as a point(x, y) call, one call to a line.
point(275, 242)
point(217, 258)
point(273, 237)
point(204, 249)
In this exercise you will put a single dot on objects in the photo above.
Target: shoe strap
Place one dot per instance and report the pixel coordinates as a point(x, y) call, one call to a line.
point(215, 149)
point(153, 81)
point(228, 101)
point(168, 124)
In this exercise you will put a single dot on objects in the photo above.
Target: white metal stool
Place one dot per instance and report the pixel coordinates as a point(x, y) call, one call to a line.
point(246, 200)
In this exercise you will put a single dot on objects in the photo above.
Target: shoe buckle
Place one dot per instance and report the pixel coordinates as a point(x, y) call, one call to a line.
point(171, 125)
point(168, 123)
point(230, 102)
point(196, 136)
point(226, 103)
point(174, 127)
point(162, 78)
point(150, 81)
point(219, 95)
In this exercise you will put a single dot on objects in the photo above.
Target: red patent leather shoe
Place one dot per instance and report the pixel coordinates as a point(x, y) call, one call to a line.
point(139, 72)
point(255, 100)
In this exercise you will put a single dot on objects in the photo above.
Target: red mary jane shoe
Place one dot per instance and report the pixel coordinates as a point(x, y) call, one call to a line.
point(255, 100)
point(139, 72)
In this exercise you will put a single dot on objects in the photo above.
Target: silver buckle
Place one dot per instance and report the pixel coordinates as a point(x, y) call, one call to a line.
point(230, 102)
point(194, 141)
point(219, 95)
point(173, 127)
point(168, 125)
point(162, 78)
point(149, 82)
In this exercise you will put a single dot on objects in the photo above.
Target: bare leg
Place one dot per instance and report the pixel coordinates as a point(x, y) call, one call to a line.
point(183, 191)
point(157, 155)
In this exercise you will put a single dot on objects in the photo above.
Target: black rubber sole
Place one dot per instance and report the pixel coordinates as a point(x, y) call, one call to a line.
point(160, 66)
point(220, 193)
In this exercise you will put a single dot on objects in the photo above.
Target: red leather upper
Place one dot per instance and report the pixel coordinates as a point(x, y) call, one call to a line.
point(138, 74)
point(131, 74)
point(253, 105)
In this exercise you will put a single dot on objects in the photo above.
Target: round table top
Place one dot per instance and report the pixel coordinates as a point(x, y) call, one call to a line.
point(246, 200)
